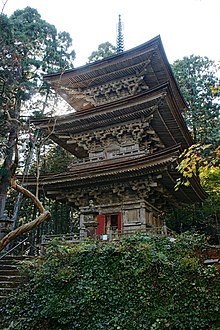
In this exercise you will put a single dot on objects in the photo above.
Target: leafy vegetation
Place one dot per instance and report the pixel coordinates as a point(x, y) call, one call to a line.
point(104, 50)
point(29, 48)
point(203, 162)
point(142, 282)
point(202, 219)
point(197, 77)
point(56, 160)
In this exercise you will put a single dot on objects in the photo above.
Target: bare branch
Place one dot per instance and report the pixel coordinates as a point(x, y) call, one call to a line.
point(44, 216)
point(3, 7)
point(27, 194)
point(24, 229)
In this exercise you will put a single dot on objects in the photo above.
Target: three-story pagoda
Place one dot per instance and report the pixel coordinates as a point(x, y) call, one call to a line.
point(126, 133)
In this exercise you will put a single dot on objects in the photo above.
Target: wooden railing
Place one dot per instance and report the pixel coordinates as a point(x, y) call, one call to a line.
point(112, 235)
point(20, 244)
point(159, 231)
point(70, 237)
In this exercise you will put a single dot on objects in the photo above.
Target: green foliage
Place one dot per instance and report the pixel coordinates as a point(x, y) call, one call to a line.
point(197, 78)
point(105, 49)
point(142, 282)
point(29, 48)
point(204, 162)
point(56, 160)
point(202, 219)
point(39, 44)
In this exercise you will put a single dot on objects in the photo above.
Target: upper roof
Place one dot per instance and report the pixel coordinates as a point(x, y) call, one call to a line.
point(142, 68)
point(158, 103)
point(117, 89)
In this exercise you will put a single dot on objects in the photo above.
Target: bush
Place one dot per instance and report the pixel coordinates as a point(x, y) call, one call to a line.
point(141, 282)
point(202, 219)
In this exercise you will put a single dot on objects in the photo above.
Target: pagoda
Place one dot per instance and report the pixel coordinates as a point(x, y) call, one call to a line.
point(126, 133)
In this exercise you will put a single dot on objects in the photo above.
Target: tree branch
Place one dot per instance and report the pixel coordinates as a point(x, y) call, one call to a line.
point(3, 7)
point(23, 229)
point(45, 215)
point(27, 194)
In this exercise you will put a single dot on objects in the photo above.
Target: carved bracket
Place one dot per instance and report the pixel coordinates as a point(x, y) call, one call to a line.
point(133, 135)
point(113, 90)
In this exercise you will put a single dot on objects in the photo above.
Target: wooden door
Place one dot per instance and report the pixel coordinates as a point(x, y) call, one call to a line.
point(104, 223)
point(101, 225)
point(119, 223)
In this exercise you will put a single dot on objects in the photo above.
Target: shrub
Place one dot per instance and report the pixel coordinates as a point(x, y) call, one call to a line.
point(141, 282)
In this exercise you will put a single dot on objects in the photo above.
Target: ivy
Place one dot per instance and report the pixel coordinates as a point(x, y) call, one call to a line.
point(142, 282)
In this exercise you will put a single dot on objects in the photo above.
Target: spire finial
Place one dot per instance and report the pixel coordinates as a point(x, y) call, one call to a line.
point(120, 36)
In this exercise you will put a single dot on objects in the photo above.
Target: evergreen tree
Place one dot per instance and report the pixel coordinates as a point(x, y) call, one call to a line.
point(54, 160)
point(196, 76)
point(29, 48)
point(105, 49)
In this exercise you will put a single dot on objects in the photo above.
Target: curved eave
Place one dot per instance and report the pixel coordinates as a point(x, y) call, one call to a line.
point(84, 69)
point(119, 170)
point(188, 194)
point(158, 102)
point(115, 68)
point(123, 104)
point(111, 167)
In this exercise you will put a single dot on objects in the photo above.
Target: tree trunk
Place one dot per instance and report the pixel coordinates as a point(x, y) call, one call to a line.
point(12, 140)
point(24, 229)
point(44, 215)
point(2, 202)
point(4, 172)
point(26, 170)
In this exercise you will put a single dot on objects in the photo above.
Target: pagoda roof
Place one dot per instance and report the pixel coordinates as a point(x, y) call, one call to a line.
point(134, 86)
point(147, 61)
point(159, 102)
point(119, 169)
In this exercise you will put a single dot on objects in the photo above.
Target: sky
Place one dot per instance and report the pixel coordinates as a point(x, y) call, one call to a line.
point(186, 27)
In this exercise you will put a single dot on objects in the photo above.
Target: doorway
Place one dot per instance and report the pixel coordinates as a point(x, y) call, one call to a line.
point(109, 224)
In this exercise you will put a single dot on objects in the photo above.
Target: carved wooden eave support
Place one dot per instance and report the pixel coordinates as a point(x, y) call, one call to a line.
point(44, 214)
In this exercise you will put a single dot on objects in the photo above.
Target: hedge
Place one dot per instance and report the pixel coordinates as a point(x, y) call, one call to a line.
point(141, 282)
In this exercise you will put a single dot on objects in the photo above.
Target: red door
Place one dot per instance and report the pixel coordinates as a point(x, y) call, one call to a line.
point(102, 219)
point(119, 223)
point(101, 224)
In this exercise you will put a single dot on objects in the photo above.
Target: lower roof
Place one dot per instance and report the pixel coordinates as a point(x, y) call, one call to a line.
point(121, 169)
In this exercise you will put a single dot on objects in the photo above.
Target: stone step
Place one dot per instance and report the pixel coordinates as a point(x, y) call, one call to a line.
point(10, 257)
point(9, 272)
point(8, 267)
point(11, 278)
point(6, 291)
point(8, 284)
point(8, 262)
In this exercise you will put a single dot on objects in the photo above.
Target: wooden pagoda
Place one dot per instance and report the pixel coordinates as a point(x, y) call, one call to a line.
point(126, 133)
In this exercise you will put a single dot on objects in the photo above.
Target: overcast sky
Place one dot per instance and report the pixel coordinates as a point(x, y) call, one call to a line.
point(185, 26)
